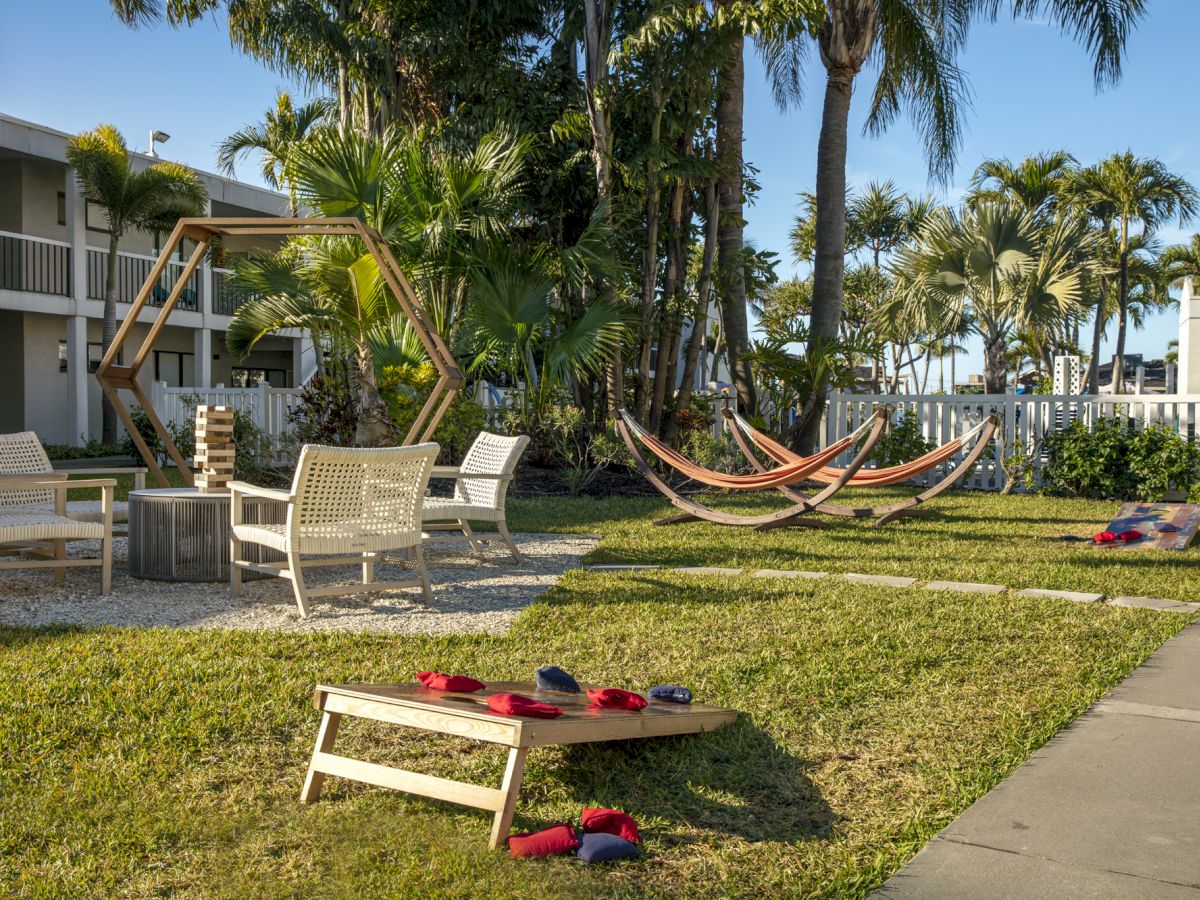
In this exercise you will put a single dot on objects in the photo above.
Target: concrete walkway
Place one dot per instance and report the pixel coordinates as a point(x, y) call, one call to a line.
point(1110, 807)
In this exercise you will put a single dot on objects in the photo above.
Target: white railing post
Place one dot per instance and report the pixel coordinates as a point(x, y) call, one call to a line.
point(264, 407)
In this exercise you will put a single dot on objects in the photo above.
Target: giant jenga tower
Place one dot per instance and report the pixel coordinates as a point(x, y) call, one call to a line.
point(214, 448)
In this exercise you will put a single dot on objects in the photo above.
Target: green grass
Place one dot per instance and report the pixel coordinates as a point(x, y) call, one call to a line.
point(153, 762)
point(965, 536)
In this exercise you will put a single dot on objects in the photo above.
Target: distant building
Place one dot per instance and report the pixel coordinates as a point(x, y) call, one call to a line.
point(53, 260)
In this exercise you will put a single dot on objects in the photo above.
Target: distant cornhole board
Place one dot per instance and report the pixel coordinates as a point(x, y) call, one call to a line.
point(1181, 521)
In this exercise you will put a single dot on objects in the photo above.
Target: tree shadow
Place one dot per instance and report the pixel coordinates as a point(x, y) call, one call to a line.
point(737, 781)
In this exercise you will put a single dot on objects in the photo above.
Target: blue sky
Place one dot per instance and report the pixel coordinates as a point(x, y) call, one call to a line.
point(71, 64)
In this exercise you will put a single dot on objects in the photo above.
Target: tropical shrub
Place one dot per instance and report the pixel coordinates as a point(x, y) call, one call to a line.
point(325, 413)
point(1113, 460)
point(901, 443)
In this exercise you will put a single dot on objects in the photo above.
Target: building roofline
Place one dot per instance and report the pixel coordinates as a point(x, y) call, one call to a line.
point(270, 198)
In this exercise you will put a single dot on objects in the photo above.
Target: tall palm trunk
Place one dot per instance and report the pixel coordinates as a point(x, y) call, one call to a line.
point(731, 80)
point(699, 313)
point(845, 40)
point(1118, 371)
point(108, 415)
point(641, 389)
point(829, 261)
point(1093, 372)
point(596, 39)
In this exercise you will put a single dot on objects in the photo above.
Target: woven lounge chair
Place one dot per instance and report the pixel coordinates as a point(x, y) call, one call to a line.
point(35, 527)
point(346, 506)
point(480, 490)
point(21, 453)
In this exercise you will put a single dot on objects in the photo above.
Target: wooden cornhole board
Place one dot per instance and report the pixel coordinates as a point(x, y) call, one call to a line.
point(467, 715)
point(1145, 516)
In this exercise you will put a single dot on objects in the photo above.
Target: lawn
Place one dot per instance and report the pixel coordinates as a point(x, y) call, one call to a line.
point(150, 762)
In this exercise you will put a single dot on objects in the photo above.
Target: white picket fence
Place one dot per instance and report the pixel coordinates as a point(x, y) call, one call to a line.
point(1027, 418)
point(269, 408)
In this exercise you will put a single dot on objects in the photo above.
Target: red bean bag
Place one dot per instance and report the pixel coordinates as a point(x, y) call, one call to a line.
point(610, 821)
point(547, 842)
point(439, 682)
point(1131, 535)
point(516, 705)
point(1104, 537)
point(615, 698)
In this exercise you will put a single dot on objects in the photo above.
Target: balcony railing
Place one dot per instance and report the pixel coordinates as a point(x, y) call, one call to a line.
point(225, 301)
point(34, 264)
point(132, 271)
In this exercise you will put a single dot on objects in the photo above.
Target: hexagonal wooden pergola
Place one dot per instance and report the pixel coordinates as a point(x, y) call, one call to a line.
point(114, 378)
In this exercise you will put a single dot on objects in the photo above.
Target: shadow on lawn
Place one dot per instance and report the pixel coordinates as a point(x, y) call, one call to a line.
point(737, 781)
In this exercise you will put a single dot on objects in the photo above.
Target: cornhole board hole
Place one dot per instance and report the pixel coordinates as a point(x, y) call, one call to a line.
point(1147, 517)
point(467, 716)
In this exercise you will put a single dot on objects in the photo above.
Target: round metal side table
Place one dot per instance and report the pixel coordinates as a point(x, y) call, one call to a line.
point(179, 534)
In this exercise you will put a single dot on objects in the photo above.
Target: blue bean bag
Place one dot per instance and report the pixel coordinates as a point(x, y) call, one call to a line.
point(552, 678)
point(604, 847)
point(671, 693)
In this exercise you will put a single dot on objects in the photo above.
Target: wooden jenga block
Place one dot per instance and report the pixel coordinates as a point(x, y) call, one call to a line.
point(215, 451)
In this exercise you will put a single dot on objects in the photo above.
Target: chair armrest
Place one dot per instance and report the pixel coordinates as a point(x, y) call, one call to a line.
point(244, 487)
point(455, 472)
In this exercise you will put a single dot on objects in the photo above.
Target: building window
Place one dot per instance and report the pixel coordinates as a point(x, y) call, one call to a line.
point(95, 353)
point(250, 377)
point(176, 369)
point(95, 217)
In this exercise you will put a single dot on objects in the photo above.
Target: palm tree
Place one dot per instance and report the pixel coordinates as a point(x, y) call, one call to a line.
point(1123, 191)
point(513, 320)
point(151, 200)
point(913, 45)
point(994, 263)
point(1181, 260)
point(285, 128)
point(1037, 182)
point(332, 286)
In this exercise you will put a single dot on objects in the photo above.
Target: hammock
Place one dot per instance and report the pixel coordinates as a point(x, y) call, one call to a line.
point(793, 470)
point(983, 433)
point(801, 467)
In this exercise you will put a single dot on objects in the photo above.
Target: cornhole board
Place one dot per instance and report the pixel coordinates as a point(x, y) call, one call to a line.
point(468, 716)
point(1146, 516)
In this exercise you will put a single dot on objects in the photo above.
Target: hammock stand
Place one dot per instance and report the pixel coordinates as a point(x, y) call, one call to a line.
point(789, 473)
point(870, 477)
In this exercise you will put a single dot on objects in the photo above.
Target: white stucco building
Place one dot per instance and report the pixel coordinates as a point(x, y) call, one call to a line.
point(53, 259)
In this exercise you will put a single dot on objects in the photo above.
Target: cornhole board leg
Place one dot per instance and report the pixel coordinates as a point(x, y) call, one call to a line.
point(502, 801)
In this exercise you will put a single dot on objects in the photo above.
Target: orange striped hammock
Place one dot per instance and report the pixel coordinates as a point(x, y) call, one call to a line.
point(981, 433)
point(780, 478)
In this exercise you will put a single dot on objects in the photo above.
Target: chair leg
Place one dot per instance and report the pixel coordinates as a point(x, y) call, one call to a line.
point(368, 568)
point(298, 583)
point(467, 530)
point(60, 552)
point(422, 572)
point(235, 574)
point(105, 565)
point(508, 539)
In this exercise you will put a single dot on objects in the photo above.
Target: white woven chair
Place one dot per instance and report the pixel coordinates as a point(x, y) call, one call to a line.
point(21, 453)
point(346, 506)
point(480, 491)
point(35, 527)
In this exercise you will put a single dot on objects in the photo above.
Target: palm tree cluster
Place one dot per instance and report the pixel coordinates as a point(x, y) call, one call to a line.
point(630, 116)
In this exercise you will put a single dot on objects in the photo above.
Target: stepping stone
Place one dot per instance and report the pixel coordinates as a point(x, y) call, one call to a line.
point(788, 573)
point(966, 587)
point(882, 580)
point(619, 567)
point(1077, 596)
point(707, 570)
point(1155, 603)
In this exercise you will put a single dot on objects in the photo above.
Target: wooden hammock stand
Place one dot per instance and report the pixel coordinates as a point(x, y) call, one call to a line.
point(742, 430)
point(778, 479)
